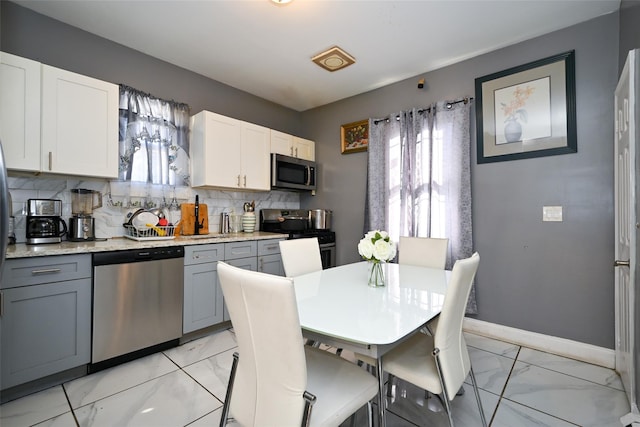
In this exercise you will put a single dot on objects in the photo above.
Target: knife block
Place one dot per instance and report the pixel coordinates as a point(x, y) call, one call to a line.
point(188, 219)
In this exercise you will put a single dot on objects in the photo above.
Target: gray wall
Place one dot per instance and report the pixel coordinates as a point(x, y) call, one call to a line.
point(31, 35)
point(629, 29)
point(551, 278)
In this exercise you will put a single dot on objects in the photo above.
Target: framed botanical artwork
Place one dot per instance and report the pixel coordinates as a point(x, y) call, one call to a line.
point(354, 136)
point(527, 111)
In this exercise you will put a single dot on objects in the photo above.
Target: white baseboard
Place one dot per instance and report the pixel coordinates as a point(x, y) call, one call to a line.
point(562, 347)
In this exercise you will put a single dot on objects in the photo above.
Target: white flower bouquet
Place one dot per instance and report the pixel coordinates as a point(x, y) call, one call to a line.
point(377, 246)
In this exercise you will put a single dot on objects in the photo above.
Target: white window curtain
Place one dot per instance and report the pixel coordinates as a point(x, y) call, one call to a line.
point(154, 139)
point(419, 181)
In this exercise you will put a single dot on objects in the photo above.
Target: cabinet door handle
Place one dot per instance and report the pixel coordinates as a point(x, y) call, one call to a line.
point(261, 265)
point(291, 151)
point(238, 180)
point(245, 181)
point(296, 151)
point(46, 271)
point(205, 257)
point(50, 160)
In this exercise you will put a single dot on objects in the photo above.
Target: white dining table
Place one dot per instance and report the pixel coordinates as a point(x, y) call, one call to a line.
point(337, 307)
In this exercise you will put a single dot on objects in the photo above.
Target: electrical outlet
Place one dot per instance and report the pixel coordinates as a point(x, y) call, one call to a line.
point(552, 213)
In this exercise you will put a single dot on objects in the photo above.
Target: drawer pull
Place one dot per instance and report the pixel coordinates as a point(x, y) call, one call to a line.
point(46, 271)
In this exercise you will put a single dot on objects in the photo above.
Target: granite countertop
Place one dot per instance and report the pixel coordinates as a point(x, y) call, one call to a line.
point(22, 250)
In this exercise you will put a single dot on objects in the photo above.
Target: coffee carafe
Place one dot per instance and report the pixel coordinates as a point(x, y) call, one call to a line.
point(82, 224)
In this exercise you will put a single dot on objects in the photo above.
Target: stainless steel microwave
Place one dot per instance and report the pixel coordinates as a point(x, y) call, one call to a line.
point(291, 173)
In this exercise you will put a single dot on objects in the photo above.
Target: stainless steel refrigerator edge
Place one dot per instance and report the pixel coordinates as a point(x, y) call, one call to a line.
point(4, 213)
point(4, 224)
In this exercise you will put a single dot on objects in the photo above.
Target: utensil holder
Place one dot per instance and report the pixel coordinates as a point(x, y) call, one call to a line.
point(249, 222)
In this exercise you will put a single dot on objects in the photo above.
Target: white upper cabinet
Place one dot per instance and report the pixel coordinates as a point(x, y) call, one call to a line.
point(20, 112)
point(79, 124)
point(293, 146)
point(56, 121)
point(255, 156)
point(304, 148)
point(281, 143)
point(229, 153)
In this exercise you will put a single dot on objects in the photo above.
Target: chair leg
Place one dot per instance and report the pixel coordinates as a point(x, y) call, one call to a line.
point(227, 398)
point(369, 414)
point(445, 395)
point(390, 386)
point(475, 389)
point(309, 400)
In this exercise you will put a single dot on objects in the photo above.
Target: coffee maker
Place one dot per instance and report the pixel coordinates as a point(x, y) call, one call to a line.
point(82, 225)
point(44, 222)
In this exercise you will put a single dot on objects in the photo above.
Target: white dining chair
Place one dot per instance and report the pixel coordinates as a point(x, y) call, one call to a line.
point(270, 387)
point(423, 251)
point(300, 256)
point(440, 363)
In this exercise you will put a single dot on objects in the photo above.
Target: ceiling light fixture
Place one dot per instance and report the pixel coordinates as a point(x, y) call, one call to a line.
point(334, 59)
point(281, 2)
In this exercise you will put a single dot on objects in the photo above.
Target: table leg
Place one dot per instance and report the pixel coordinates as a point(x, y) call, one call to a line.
point(382, 421)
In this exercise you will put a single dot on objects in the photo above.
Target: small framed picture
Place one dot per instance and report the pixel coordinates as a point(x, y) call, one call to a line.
point(354, 136)
point(527, 111)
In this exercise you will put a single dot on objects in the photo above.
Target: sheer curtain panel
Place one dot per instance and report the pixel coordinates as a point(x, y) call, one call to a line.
point(154, 139)
point(419, 181)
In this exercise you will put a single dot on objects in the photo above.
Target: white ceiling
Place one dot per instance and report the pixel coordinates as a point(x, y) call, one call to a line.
point(266, 50)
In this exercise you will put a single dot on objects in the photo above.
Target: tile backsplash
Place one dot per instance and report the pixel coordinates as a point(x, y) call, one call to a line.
point(119, 198)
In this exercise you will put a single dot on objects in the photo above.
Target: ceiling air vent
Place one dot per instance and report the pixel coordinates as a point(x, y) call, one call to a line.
point(334, 59)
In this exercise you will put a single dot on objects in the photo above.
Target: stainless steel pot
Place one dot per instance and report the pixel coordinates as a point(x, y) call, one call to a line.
point(320, 219)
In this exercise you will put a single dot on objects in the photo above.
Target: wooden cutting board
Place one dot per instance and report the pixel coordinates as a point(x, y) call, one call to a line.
point(188, 219)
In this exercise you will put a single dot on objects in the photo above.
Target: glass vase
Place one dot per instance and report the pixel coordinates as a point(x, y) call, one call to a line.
point(376, 274)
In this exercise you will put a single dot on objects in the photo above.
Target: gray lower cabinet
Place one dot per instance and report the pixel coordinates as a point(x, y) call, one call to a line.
point(241, 255)
point(203, 304)
point(203, 299)
point(45, 322)
point(269, 258)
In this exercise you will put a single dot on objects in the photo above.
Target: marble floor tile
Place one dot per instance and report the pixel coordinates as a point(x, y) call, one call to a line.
point(409, 403)
point(597, 374)
point(213, 373)
point(99, 385)
point(492, 345)
point(34, 408)
point(171, 400)
point(510, 414)
point(209, 420)
point(202, 348)
point(185, 386)
point(563, 396)
point(491, 370)
point(64, 420)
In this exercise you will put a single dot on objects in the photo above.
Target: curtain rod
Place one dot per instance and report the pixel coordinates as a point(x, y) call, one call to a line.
point(448, 106)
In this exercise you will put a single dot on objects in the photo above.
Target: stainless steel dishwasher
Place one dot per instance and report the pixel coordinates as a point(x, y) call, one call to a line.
point(137, 303)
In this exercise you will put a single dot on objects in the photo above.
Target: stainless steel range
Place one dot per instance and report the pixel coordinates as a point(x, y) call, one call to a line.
point(299, 224)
